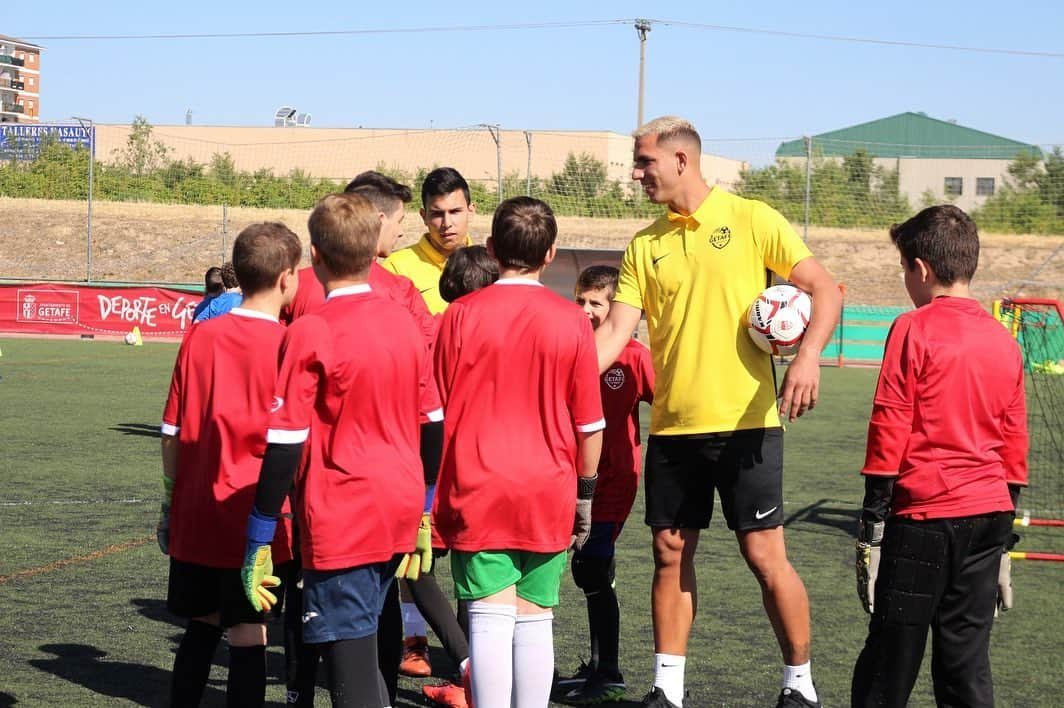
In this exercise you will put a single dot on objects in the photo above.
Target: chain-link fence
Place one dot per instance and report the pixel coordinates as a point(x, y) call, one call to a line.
point(165, 202)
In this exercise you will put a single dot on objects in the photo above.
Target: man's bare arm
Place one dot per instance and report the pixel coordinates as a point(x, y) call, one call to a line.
point(801, 383)
point(614, 332)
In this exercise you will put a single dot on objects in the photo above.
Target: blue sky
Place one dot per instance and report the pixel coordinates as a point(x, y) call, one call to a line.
point(730, 84)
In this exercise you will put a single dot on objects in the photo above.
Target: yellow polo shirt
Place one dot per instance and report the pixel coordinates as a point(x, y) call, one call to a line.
point(695, 277)
point(423, 265)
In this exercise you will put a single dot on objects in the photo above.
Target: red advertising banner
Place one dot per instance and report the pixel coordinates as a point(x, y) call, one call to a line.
point(55, 308)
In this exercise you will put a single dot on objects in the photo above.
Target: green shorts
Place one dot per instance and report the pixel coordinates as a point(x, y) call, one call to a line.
point(480, 574)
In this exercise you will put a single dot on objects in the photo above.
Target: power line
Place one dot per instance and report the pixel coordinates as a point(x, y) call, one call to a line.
point(861, 40)
point(553, 25)
point(325, 33)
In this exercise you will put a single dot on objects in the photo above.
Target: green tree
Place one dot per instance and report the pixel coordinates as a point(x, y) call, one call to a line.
point(142, 153)
point(1032, 201)
point(582, 176)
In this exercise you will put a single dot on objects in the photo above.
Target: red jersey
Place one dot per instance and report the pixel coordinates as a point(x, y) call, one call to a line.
point(949, 416)
point(517, 371)
point(624, 384)
point(349, 386)
point(310, 294)
point(218, 408)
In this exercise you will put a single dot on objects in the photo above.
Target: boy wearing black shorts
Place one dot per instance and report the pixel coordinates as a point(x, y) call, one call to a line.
point(213, 437)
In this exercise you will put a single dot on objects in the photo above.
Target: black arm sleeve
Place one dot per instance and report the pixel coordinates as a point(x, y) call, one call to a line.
point(279, 467)
point(1014, 494)
point(431, 450)
point(877, 500)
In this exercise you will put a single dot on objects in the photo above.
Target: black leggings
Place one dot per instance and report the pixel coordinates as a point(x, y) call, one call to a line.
point(433, 605)
point(354, 681)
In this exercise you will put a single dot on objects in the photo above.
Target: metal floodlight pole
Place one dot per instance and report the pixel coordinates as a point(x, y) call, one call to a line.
point(642, 27)
point(92, 158)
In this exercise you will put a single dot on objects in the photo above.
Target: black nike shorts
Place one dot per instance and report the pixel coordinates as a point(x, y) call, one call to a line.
point(198, 590)
point(745, 467)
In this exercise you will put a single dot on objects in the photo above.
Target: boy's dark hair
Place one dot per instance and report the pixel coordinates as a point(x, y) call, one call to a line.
point(261, 253)
point(212, 281)
point(942, 236)
point(441, 182)
point(229, 279)
point(598, 277)
point(467, 269)
point(344, 229)
point(385, 193)
point(522, 232)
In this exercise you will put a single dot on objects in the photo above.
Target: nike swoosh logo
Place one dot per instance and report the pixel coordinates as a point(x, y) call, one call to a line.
point(308, 616)
point(762, 514)
point(655, 261)
point(278, 402)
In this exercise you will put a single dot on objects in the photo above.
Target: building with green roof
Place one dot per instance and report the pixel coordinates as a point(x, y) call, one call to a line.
point(951, 161)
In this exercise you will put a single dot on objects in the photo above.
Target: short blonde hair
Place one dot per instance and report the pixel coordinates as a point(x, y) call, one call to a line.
point(669, 128)
point(344, 229)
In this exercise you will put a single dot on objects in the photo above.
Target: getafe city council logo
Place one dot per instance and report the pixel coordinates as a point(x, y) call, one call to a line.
point(614, 378)
point(720, 238)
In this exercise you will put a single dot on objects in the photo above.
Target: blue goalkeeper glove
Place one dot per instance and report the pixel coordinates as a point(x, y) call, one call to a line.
point(162, 528)
point(420, 561)
point(256, 575)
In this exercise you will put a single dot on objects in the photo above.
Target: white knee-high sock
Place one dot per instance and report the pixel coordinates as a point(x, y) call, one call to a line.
point(491, 647)
point(413, 622)
point(533, 660)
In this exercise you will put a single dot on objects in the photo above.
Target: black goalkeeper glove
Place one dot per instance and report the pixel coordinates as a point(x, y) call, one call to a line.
point(585, 494)
point(869, 538)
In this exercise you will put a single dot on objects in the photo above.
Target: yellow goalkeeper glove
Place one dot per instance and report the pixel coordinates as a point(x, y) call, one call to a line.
point(256, 575)
point(414, 564)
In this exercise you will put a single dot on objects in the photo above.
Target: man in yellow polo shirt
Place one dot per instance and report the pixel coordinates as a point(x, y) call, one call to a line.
point(445, 209)
point(714, 423)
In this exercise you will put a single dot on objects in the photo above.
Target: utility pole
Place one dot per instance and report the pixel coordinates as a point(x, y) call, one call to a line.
point(641, 27)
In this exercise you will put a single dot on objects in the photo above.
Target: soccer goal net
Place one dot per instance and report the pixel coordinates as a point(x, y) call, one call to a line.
point(1038, 326)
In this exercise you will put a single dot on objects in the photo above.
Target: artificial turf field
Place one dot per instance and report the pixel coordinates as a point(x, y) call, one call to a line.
point(82, 582)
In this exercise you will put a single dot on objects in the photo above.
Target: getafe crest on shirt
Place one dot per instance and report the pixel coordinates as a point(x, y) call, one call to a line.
point(614, 378)
point(720, 237)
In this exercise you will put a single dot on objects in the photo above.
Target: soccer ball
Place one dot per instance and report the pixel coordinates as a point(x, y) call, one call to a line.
point(778, 318)
point(131, 338)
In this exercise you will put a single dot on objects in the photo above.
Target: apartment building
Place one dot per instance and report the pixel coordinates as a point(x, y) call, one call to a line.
point(20, 81)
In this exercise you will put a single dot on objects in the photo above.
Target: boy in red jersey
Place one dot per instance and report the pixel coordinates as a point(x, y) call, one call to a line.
point(945, 461)
point(213, 438)
point(388, 197)
point(624, 384)
point(349, 390)
point(521, 446)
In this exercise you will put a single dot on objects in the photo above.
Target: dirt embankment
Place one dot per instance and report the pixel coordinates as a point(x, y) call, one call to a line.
point(176, 243)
